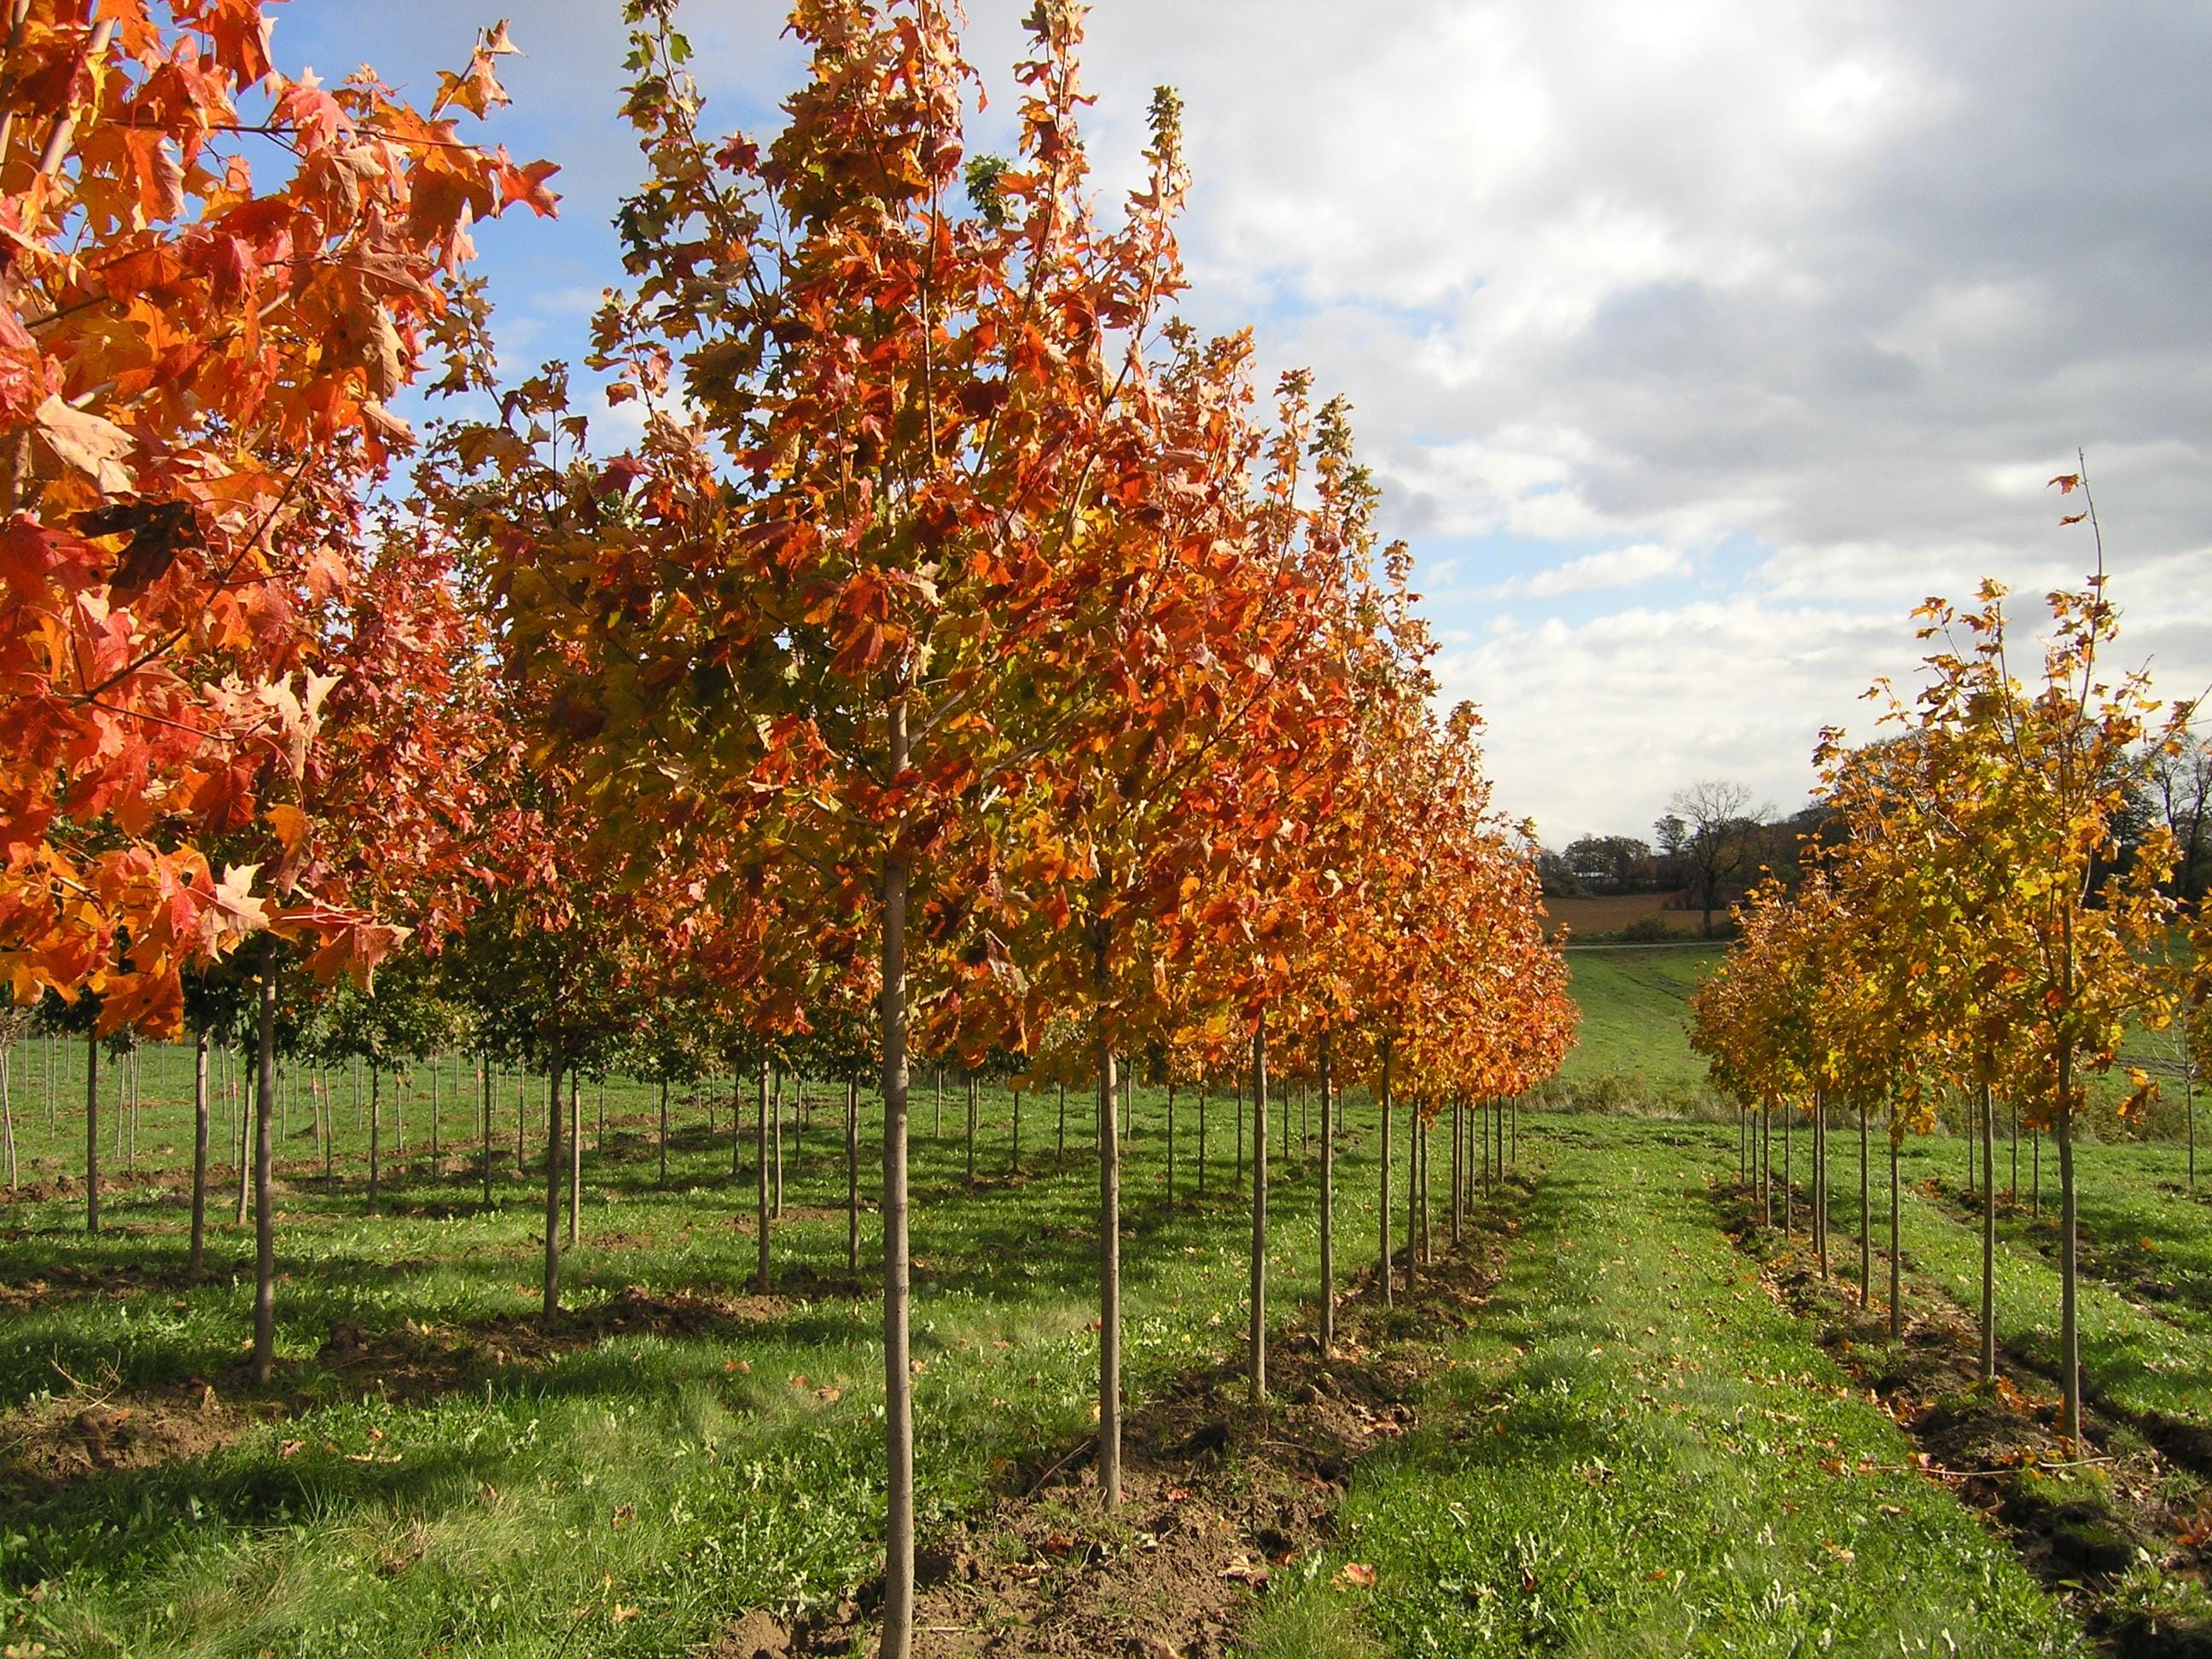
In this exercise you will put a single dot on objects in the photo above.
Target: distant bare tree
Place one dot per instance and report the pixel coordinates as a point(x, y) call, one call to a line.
point(1719, 832)
point(2181, 785)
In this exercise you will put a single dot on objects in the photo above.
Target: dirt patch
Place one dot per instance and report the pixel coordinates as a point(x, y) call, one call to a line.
point(50, 1444)
point(1218, 1497)
point(1996, 1445)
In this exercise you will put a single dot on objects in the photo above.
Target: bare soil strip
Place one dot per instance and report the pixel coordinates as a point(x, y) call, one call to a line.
point(1219, 1495)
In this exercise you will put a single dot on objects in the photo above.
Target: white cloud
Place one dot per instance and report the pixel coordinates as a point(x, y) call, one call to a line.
point(1619, 567)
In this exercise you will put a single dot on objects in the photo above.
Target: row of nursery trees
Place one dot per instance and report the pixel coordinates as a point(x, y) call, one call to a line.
point(1968, 932)
point(967, 659)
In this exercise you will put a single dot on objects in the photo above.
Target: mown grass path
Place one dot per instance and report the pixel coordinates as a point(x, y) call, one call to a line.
point(1638, 1451)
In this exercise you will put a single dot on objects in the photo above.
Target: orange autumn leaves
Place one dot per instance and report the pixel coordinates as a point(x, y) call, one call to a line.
point(215, 275)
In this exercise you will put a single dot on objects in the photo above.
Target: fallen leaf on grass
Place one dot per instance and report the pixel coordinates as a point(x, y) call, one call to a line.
point(1656, 1575)
point(288, 1447)
point(1358, 1574)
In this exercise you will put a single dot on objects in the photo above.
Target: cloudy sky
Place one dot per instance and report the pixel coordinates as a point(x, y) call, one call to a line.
point(1693, 344)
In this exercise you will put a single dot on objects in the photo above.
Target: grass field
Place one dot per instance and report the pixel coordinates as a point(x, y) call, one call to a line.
point(1618, 1435)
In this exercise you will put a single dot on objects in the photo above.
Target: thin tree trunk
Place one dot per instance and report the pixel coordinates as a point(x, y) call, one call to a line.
point(199, 1151)
point(92, 1138)
point(1458, 1162)
point(549, 1302)
point(484, 1087)
point(1061, 1148)
point(972, 1115)
point(1896, 1271)
point(1259, 1293)
point(1016, 1167)
point(1412, 1189)
point(764, 1202)
point(1766, 1163)
point(1989, 1241)
point(1109, 1244)
point(1866, 1217)
point(1240, 1132)
point(265, 1214)
point(2069, 1331)
point(1820, 1178)
point(898, 1377)
point(1789, 1175)
point(1328, 1207)
point(775, 1137)
point(576, 1156)
point(375, 1128)
point(1384, 1270)
point(8, 1110)
point(937, 1127)
point(664, 1132)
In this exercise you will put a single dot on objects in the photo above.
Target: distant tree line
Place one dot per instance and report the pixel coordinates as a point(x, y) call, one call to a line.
point(1713, 844)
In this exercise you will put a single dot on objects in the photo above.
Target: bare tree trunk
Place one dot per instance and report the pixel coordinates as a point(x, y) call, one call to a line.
point(264, 1215)
point(1412, 1194)
point(775, 1137)
point(664, 1132)
point(765, 1205)
point(973, 1112)
point(1866, 1217)
point(1327, 1208)
point(2069, 1335)
point(1259, 1294)
point(1988, 1239)
point(549, 1301)
point(92, 1136)
point(1110, 1243)
point(375, 1128)
point(1384, 1270)
point(1821, 1179)
point(575, 1156)
point(1458, 1141)
point(199, 1151)
point(484, 1081)
point(1789, 1175)
point(1896, 1273)
point(1062, 1148)
point(898, 1375)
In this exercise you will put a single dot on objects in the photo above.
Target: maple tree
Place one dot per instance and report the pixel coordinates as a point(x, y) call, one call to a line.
point(198, 367)
point(1973, 928)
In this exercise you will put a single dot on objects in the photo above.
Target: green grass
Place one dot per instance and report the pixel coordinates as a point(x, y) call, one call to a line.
point(1633, 1051)
point(1638, 1451)
point(625, 1495)
point(2144, 1359)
